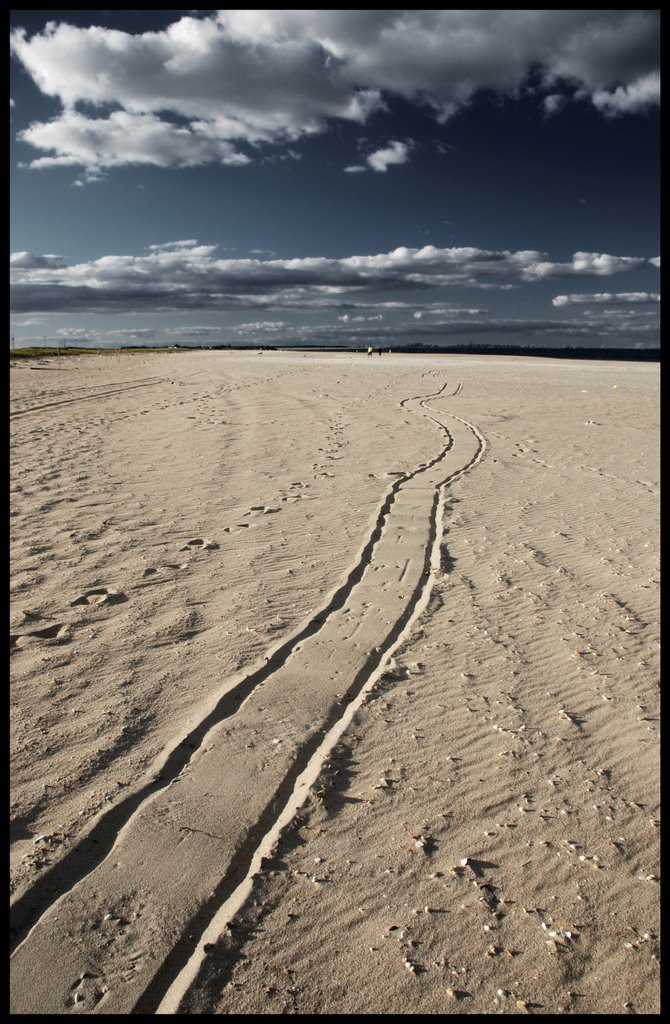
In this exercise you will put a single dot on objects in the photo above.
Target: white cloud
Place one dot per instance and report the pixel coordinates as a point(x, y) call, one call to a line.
point(26, 261)
point(630, 99)
point(629, 315)
point(262, 325)
point(656, 261)
point(347, 319)
point(125, 138)
point(195, 331)
point(187, 276)
point(582, 263)
point(76, 333)
point(195, 91)
point(623, 298)
point(186, 243)
point(553, 103)
point(394, 153)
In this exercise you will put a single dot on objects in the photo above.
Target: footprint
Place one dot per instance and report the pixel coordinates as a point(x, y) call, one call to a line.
point(60, 632)
point(199, 544)
point(100, 596)
point(151, 571)
point(261, 510)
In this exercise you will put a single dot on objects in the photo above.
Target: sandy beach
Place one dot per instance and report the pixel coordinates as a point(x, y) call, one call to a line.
point(334, 684)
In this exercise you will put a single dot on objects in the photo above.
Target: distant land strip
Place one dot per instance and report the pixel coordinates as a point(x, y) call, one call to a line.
point(564, 352)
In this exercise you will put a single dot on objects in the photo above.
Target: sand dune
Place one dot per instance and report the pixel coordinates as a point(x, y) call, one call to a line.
point(334, 685)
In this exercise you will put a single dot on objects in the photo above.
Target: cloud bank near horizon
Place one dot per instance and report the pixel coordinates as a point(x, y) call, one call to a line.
point(180, 276)
point(215, 88)
point(604, 331)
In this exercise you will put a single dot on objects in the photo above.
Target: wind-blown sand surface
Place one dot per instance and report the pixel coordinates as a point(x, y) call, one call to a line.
point(334, 684)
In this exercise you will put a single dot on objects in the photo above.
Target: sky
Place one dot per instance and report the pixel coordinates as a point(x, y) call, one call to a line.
point(344, 178)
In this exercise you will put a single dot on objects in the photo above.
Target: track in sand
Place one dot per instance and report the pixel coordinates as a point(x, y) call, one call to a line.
point(174, 851)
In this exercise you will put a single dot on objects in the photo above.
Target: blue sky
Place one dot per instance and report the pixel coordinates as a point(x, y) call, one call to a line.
point(335, 177)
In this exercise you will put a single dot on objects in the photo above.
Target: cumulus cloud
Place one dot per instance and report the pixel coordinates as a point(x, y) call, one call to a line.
point(188, 276)
point(27, 261)
point(262, 325)
point(210, 83)
point(639, 96)
point(126, 138)
point(394, 153)
point(622, 298)
point(582, 263)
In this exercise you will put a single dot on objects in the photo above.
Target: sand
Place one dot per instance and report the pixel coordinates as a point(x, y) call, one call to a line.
point(334, 684)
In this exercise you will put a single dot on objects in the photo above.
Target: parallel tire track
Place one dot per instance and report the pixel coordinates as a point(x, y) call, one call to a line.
point(281, 662)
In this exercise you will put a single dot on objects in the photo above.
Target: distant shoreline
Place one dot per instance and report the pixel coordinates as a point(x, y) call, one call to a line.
point(621, 354)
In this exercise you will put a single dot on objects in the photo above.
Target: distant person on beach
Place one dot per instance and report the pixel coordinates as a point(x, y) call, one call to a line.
point(369, 350)
point(380, 350)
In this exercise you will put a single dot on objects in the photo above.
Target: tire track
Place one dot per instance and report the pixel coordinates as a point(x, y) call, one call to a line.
point(186, 975)
point(94, 846)
point(292, 668)
point(149, 383)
